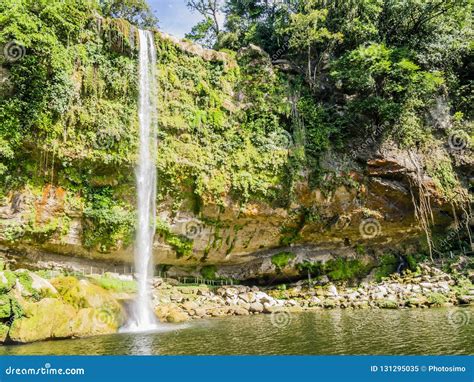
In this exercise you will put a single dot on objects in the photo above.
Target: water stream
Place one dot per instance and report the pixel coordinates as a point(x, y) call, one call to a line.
point(142, 317)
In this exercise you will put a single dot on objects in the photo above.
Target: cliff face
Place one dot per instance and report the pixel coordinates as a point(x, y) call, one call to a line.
point(236, 188)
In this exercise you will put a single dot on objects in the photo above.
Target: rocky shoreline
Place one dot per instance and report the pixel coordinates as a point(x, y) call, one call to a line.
point(428, 287)
point(44, 305)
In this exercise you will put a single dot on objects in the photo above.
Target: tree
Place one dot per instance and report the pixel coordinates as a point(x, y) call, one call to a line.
point(137, 12)
point(308, 32)
point(202, 33)
point(207, 31)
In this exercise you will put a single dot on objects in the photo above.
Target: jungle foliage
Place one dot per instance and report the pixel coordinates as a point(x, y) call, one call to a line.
point(249, 126)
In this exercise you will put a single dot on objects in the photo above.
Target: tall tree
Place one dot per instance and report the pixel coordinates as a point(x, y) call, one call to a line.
point(135, 11)
point(207, 31)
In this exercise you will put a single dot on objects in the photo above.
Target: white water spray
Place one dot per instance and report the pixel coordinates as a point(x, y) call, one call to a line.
point(142, 317)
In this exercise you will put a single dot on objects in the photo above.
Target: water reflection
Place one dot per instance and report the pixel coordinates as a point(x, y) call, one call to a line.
point(416, 331)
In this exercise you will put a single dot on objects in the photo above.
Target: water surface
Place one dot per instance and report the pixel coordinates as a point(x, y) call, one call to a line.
point(390, 332)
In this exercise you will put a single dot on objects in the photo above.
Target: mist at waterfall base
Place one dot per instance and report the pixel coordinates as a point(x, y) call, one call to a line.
point(142, 317)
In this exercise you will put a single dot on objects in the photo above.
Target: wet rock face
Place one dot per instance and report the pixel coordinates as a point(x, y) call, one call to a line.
point(372, 206)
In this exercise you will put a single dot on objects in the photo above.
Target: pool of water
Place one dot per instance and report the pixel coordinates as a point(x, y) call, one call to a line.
point(391, 332)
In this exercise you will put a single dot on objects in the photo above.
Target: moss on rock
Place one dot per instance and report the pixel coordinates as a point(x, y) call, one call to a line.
point(5, 307)
point(48, 318)
point(281, 260)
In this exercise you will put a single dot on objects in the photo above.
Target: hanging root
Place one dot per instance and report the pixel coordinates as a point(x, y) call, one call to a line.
point(422, 204)
point(424, 212)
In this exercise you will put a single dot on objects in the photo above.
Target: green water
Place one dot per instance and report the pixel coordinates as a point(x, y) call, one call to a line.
point(415, 331)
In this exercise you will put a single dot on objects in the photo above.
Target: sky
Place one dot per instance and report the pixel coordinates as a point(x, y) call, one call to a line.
point(174, 17)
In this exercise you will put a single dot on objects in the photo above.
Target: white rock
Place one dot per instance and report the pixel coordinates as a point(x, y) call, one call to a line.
point(383, 290)
point(256, 307)
point(39, 283)
point(332, 290)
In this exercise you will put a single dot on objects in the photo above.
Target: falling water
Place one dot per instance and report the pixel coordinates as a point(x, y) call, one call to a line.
point(142, 317)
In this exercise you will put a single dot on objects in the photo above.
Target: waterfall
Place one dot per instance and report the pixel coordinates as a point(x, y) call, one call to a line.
point(142, 316)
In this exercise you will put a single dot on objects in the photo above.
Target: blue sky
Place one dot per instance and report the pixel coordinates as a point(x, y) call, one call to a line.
point(175, 18)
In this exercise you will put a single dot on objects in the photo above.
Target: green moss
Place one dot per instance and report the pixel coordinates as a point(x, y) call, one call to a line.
point(313, 268)
point(26, 281)
point(360, 249)
point(343, 269)
point(5, 307)
point(412, 262)
point(209, 272)
point(436, 299)
point(70, 291)
point(8, 284)
point(445, 178)
point(337, 269)
point(17, 309)
point(3, 332)
point(280, 260)
point(182, 245)
point(388, 265)
point(108, 220)
point(116, 285)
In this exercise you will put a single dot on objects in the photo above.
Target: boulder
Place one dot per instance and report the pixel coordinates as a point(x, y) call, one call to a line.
point(176, 316)
point(248, 297)
point(190, 306)
point(256, 307)
point(314, 301)
point(91, 321)
point(466, 299)
point(239, 311)
point(381, 290)
point(84, 294)
point(48, 318)
point(3, 332)
point(426, 285)
point(330, 303)
point(200, 312)
point(387, 304)
point(161, 311)
point(332, 291)
point(40, 284)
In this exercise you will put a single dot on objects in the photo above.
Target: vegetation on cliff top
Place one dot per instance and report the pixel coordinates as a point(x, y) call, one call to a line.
point(250, 126)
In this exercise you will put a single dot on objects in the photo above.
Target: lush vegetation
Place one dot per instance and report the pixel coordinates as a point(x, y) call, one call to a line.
point(249, 125)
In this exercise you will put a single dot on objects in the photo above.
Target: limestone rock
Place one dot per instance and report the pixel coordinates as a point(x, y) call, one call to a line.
point(48, 318)
point(38, 283)
point(176, 316)
point(332, 290)
point(256, 307)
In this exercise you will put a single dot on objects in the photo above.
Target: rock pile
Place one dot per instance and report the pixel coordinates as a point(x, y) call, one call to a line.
point(428, 288)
